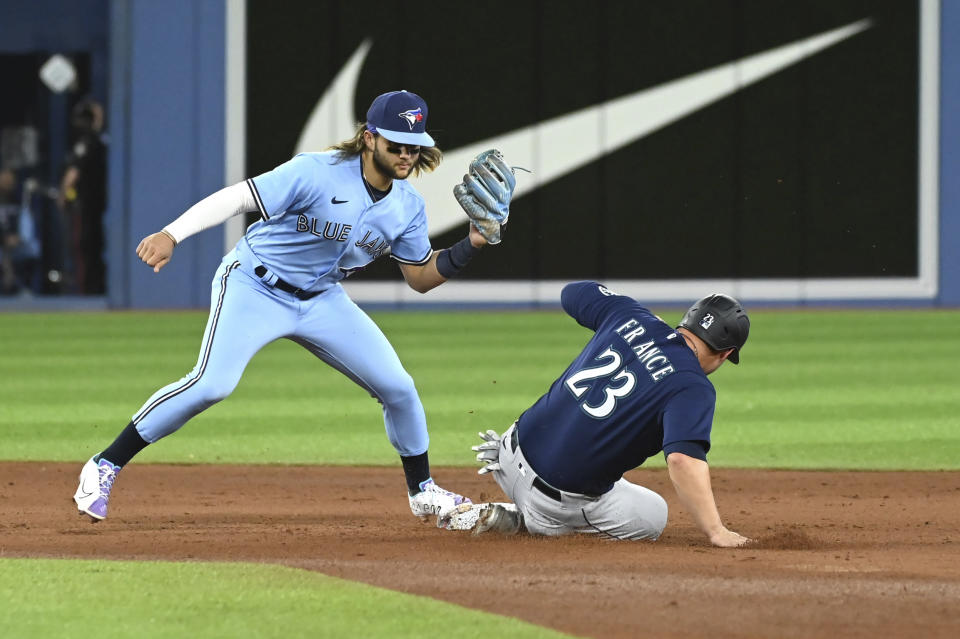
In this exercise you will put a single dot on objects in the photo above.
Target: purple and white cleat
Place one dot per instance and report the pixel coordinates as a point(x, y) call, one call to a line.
point(93, 493)
point(433, 500)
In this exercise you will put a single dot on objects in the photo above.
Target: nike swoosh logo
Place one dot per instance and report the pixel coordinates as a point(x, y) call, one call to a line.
point(334, 200)
point(595, 131)
point(84, 491)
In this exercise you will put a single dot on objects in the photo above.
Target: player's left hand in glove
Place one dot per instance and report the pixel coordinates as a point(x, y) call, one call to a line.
point(488, 453)
point(485, 193)
point(433, 500)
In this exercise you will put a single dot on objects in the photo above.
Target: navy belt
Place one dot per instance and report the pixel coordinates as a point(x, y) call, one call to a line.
point(546, 489)
point(299, 293)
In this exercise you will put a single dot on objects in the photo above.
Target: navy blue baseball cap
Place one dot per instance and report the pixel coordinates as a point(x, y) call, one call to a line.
point(400, 116)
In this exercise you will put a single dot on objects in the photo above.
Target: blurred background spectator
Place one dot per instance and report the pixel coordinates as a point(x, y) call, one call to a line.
point(19, 246)
point(83, 197)
point(53, 69)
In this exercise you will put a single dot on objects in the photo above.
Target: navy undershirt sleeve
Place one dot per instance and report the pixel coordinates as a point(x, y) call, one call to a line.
point(696, 449)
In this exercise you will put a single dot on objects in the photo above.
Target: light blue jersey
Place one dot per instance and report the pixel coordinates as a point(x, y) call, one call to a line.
point(319, 223)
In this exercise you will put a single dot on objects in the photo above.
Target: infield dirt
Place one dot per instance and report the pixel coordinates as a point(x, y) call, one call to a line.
point(851, 554)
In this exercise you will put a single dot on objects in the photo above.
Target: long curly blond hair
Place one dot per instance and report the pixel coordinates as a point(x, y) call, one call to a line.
point(428, 160)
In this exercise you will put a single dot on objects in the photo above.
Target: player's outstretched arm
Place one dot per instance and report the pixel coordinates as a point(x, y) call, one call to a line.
point(484, 194)
point(157, 249)
point(423, 278)
point(691, 479)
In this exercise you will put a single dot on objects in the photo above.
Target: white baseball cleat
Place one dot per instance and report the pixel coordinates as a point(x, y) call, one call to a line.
point(93, 493)
point(433, 500)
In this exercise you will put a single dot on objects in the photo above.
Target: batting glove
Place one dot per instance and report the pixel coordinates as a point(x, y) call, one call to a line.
point(488, 453)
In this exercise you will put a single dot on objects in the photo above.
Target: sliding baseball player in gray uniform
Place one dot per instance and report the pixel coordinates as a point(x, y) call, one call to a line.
point(637, 388)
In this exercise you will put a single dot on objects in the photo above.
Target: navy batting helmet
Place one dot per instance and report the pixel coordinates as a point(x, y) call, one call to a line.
point(720, 321)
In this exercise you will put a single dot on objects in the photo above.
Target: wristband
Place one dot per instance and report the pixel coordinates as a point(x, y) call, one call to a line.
point(170, 235)
point(452, 260)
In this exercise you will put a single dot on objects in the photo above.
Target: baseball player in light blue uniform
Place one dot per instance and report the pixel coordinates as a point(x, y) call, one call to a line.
point(322, 217)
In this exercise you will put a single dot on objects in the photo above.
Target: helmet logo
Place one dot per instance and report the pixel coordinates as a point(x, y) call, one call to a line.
point(707, 321)
point(412, 117)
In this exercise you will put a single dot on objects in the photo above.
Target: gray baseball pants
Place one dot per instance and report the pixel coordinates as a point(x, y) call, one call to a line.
point(627, 511)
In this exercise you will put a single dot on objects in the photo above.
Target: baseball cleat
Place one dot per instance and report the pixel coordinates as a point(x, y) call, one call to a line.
point(433, 500)
point(463, 517)
point(93, 493)
point(501, 518)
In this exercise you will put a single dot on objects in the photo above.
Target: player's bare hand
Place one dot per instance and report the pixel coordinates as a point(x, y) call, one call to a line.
point(156, 250)
point(729, 539)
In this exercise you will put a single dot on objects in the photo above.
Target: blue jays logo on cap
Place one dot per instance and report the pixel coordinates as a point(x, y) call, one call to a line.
point(410, 108)
point(412, 116)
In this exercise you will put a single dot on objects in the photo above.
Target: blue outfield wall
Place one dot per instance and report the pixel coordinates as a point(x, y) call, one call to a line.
point(168, 111)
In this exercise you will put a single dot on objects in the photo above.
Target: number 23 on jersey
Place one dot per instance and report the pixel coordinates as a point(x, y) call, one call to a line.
point(619, 382)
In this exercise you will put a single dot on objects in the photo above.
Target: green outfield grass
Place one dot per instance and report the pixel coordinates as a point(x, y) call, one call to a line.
point(854, 389)
point(58, 598)
point(859, 389)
